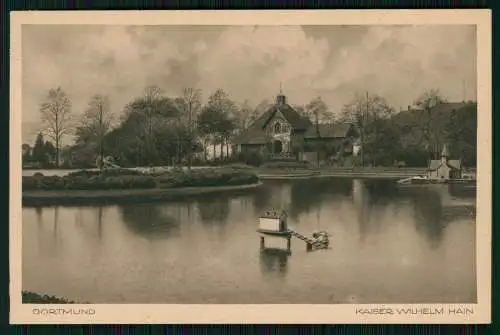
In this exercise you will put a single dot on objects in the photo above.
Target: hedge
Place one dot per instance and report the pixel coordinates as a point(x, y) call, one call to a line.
point(129, 179)
point(288, 165)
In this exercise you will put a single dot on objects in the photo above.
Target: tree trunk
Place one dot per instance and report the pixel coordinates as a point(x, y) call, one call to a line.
point(318, 140)
point(221, 149)
point(205, 144)
point(57, 131)
point(101, 137)
point(215, 147)
point(189, 137)
point(57, 153)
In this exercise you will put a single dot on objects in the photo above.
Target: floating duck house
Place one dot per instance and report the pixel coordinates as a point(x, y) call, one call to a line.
point(273, 229)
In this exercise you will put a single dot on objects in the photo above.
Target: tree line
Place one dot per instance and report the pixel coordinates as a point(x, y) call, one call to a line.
point(157, 129)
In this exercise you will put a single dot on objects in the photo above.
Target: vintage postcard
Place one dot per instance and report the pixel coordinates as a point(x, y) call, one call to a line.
point(250, 167)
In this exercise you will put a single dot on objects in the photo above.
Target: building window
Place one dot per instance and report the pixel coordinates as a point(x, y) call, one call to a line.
point(277, 127)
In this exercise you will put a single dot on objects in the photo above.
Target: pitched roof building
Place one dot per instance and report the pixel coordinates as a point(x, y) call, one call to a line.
point(284, 131)
point(444, 169)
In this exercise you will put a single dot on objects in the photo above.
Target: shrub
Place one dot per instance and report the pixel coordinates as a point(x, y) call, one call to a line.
point(252, 158)
point(83, 173)
point(34, 298)
point(240, 166)
point(106, 172)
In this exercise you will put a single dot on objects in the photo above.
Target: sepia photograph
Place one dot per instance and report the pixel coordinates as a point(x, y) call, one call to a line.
point(286, 163)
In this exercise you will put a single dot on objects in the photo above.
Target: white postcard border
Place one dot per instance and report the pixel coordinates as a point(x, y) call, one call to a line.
point(297, 314)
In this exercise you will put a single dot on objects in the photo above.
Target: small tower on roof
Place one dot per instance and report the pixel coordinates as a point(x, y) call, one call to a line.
point(281, 98)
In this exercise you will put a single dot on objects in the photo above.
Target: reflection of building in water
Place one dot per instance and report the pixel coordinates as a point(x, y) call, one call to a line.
point(280, 195)
point(362, 203)
point(274, 261)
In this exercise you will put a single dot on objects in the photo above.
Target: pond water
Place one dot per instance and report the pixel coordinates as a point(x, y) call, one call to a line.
point(386, 247)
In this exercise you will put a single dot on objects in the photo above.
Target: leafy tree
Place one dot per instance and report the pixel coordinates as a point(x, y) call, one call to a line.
point(49, 151)
point(56, 116)
point(209, 124)
point(26, 150)
point(462, 133)
point(143, 117)
point(39, 150)
point(222, 108)
point(96, 123)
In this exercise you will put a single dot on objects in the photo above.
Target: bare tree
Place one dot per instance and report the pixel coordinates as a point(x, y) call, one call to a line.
point(56, 117)
point(259, 110)
point(427, 101)
point(97, 120)
point(243, 115)
point(190, 105)
point(364, 111)
point(317, 108)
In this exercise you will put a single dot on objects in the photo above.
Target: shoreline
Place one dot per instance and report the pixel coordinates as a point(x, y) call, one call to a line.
point(358, 175)
point(347, 174)
point(79, 197)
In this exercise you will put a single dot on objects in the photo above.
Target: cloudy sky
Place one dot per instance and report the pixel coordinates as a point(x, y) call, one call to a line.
point(249, 62)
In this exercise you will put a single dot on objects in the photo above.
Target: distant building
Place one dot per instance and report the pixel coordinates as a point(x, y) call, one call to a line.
point(444, 169)
point(283, 132)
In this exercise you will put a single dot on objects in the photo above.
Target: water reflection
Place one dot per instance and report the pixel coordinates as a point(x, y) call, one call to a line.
point(362, 201)
point(213, 210)
point(274, 262)
point(382, 238)
point(149, 220)
point(38, 211)
point(99, 222)
point(308, 195)
point(427, 209)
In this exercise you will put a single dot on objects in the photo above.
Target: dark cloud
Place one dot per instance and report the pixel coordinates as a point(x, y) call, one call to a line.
point(247, 61)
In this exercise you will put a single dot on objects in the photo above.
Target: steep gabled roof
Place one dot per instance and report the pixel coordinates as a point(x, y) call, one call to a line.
point(328, 130)
point(297, 121)
point(454, 164)
point(255, 133)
